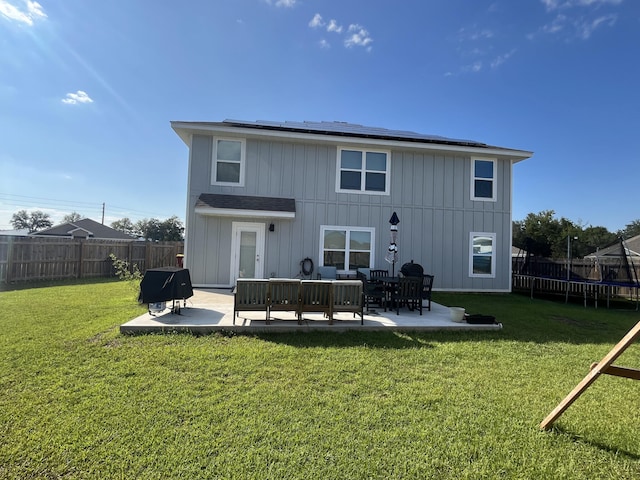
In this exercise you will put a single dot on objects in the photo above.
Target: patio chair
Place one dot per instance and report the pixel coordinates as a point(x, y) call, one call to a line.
point(315, 297)
point(409, 292)
point(374, 274)
point(250, 295)
point(427, 286)
point(373, 292)
point(284, 296)
point(327, 273)
point(347, 297)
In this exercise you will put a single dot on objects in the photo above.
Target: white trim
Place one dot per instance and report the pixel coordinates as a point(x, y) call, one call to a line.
point(347, 229)
point(185, 129)
point(363, 171)
point(215, 160)
point(494, 180)
point(233, 212)
point(492, 236)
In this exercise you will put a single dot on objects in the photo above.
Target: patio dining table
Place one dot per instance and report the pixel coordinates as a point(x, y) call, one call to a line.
point(390, 285)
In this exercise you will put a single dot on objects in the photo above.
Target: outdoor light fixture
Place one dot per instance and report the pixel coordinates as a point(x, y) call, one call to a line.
point(272, 227)
point(392, 254)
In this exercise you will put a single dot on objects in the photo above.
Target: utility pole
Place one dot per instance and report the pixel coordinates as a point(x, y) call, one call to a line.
point(102, 213)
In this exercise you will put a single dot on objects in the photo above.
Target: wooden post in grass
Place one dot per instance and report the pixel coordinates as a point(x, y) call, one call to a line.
point(604, 366)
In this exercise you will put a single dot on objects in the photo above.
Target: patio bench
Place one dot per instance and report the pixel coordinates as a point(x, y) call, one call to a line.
point(299, 297)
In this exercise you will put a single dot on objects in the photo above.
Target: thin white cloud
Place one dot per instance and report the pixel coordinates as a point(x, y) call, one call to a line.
point(586, 28)
point(357, 36)
point(334, 27)
point(283, 3)
point(78, 97)
point(316, 21)
point(556, 4)
point(31, 11)
point(500, 59)
point(475, 67)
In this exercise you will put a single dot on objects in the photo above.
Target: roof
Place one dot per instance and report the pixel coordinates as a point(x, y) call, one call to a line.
point(632, 247)
point(334, 131)
point(84, 228)
point(216, 204)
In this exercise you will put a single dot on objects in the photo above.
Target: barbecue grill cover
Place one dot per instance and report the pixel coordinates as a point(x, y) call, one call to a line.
point(165, 284)
point(411, 269)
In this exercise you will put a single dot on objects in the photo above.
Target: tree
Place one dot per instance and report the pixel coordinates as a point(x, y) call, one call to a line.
point(155, 230)
point(631, 229)
point(34, 221)
point(543, 235)
point(125, 225)
point(72, 217)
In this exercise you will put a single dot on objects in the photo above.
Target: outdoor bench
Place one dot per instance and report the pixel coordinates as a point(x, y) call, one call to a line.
point(299, 297)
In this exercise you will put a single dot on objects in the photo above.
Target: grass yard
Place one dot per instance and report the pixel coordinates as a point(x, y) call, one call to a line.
point(78, 400)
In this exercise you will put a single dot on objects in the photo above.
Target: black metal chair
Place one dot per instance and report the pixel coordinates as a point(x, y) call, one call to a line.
point(374, 274)
point(409, 292)
point(427, 286)
point(372, 292)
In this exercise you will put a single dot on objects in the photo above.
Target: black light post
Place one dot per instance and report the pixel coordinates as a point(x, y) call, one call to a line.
point(392, 253)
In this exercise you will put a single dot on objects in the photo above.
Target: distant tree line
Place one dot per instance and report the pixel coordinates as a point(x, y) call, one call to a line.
point(152, 229)
point(544, 235)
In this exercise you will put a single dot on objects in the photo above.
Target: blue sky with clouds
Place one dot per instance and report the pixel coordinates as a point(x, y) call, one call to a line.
point(88, 88)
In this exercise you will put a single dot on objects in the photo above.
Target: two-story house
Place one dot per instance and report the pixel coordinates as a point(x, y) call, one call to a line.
point(264, 196)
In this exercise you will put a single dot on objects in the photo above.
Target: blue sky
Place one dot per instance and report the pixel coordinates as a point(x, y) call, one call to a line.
point(88, 89)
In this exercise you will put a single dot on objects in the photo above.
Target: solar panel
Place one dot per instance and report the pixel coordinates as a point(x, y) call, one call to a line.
point(344, 128)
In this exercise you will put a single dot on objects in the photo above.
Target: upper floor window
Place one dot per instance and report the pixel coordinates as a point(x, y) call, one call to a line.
point(228, 162)
point(482, 255)
point(347, 248)
point(483, 181)
point(362, 171)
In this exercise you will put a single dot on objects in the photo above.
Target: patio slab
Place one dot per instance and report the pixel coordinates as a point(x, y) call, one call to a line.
point(211, 310)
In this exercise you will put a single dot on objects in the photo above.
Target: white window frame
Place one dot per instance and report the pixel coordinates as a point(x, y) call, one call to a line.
point(492, 236)
point(215, 160)
point(493, 180)
point(363, 171)
point(348, 230)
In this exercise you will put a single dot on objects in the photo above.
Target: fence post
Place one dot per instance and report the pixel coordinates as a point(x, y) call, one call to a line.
point(9, 259)
point(80, 259)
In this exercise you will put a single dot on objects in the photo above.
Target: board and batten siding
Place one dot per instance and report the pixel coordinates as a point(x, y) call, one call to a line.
point(430, 191)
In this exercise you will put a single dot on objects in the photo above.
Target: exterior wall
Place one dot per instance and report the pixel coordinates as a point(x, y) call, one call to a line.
point(429, 191)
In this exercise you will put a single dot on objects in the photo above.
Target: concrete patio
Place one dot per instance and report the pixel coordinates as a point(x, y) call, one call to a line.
point(211, 310)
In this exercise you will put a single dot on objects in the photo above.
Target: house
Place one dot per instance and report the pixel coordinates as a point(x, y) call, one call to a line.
point(85, 228)
point(265, 199)
point(631, 249)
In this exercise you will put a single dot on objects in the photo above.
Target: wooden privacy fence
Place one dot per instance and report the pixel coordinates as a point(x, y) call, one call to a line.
point(24, 259)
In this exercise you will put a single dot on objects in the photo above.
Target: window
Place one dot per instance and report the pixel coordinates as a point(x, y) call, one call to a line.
point(483, 182)
point(346, 248)
point(482, 258)
point(228, 162)
point(362, 171)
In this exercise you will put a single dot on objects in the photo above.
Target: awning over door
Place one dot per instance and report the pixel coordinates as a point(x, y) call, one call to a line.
point(245, 206)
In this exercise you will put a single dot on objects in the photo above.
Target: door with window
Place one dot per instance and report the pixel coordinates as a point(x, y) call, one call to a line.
point(247, 250)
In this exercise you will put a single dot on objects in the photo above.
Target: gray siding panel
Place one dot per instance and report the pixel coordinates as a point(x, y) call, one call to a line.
point(430, 193)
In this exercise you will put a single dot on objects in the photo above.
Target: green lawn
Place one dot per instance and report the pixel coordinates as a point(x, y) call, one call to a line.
point(79, 400)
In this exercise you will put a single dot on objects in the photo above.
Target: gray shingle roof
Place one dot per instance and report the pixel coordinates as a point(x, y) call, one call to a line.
point(94, 229)
point(245, 202)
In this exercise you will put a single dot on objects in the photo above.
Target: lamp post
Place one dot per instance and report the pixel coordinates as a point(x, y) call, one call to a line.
point(392, 254)
point(566, 298)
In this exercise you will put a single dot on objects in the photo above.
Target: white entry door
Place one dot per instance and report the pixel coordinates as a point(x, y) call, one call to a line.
point(247, 250)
